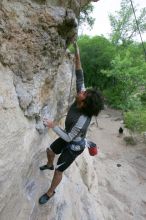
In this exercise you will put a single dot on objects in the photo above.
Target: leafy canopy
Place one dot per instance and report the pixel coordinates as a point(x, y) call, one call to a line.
point(128, 78)
point(123, 24)
point(85, 17)
point(96, 54)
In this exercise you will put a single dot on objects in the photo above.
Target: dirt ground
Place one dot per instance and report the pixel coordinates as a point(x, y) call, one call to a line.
point(120, 166)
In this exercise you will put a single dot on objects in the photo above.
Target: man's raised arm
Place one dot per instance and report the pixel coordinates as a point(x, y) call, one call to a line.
point(79, 72)
point(77, 57)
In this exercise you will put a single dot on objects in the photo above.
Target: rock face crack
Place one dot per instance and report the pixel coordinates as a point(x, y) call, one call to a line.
point(69, 23)
point(35, 74)
point(34, 38)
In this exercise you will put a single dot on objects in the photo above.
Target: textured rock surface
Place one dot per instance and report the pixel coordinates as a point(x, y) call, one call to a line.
point(120, 169)
point(35, 77)
point(33, 40)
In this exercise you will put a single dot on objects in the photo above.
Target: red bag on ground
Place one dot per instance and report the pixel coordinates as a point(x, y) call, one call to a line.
point(92, 148)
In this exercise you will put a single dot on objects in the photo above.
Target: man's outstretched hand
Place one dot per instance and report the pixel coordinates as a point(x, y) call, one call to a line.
point(48, 123)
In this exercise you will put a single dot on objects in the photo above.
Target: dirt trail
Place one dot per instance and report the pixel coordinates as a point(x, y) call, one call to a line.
point(121, 169)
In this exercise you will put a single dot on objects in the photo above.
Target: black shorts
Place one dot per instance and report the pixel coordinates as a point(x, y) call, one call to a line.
point(60, 146)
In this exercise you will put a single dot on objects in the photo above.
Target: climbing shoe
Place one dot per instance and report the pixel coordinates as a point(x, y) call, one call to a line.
point(46, 167)
point(44, 198)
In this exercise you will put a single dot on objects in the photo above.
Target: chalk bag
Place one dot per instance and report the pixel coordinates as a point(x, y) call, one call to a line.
point(93, 149)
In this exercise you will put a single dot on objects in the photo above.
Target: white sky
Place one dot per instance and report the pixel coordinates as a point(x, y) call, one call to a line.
point(101, 11)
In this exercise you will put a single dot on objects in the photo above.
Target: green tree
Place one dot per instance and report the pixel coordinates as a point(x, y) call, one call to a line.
point(123, 23)
point(85, 17)
point(96, 54)
point(128, 78)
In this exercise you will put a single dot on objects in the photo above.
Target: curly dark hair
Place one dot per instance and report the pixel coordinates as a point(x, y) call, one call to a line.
point(93, 103)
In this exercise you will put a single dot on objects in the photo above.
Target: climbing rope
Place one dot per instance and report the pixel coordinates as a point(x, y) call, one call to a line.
point(138, 29)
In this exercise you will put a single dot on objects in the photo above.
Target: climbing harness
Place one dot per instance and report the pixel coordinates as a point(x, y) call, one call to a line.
point(92, 148)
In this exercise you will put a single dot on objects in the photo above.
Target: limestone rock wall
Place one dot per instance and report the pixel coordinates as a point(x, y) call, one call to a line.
point(33, 43)
point(35, 77)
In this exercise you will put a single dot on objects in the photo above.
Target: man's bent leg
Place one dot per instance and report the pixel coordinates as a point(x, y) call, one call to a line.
point(50, 156)
point(55, 182)
point(64, 161)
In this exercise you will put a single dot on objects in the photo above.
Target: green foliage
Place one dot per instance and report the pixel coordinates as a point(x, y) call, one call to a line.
point(123, 23)
point(118, 66)
point(112, 98)
point(96, 54)
point(136, 120)
point(143, 98)
point(85, 16)
point(128, 74)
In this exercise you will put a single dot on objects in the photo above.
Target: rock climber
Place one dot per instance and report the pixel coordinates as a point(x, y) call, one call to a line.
point(70, 143)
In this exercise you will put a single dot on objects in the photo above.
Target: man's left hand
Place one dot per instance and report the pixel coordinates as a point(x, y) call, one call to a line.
point(48, 123)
